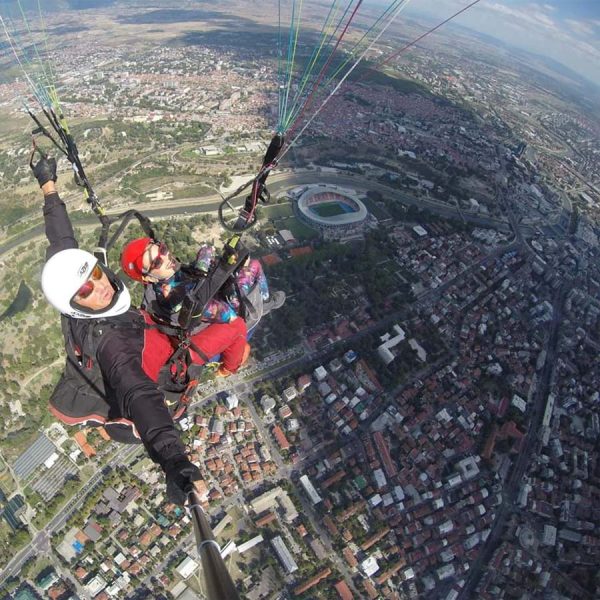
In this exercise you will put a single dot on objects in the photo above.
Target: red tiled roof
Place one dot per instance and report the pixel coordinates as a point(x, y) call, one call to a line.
point(280, 437)
point(343, 590)
point(312, 582)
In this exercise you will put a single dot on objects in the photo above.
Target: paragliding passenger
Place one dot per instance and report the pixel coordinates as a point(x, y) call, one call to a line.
point(167, 282)
point(109, 345)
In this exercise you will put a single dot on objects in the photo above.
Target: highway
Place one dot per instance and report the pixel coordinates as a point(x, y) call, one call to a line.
point(278, 182)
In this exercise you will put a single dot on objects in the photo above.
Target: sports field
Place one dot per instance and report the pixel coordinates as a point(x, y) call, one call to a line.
point(330, 209)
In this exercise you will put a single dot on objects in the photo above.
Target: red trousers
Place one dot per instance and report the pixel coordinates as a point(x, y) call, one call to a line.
point(226, 339)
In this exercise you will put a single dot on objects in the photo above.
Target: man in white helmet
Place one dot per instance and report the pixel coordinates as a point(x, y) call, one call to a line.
point(97, 314)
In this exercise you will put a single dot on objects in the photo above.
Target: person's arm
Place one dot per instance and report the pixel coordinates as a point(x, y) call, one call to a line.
point(59, 230)
point(141, 401)
point(139, 397)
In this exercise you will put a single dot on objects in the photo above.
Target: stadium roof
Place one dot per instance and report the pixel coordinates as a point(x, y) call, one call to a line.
point(335, 194)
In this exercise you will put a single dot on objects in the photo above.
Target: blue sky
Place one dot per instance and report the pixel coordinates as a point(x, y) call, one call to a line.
point(567, 31)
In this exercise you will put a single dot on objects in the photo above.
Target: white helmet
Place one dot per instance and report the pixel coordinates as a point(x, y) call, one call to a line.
point(66, 271)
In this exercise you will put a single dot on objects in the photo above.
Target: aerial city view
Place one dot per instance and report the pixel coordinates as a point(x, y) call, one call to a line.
point(300, 299)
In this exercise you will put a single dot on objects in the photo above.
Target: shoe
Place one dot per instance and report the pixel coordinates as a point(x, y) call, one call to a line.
point(223, 372)
point(245, 355)
point(275, 301)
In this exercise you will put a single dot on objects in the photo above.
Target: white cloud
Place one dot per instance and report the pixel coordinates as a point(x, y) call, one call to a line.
point(532, 14)
point(581, 27)
point(537, 27)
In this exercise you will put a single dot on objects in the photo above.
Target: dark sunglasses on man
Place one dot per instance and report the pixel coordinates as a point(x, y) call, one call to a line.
point(159, 259)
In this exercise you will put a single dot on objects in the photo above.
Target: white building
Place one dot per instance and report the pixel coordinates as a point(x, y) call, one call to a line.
point(290, 393)
point(250, 544)
point(232, 401)
point(284, 556)
point(210, 150)
point(446, 527)
point(380, 479)
point(267, 403)
point(549, 535)
point(375, 500)
point(445, 572)
point(519, 403)
point(421, 352)
point(467, 467)
point(388, 342)
point(369, 566)
point(292, 425)
point(95, 585)
point(310, 490)
point(320, 373)
point(453, 480)
point(187, 567)
point(287, 236)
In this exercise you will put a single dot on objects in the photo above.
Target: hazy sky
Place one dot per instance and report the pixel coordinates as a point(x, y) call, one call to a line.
point(567, 31)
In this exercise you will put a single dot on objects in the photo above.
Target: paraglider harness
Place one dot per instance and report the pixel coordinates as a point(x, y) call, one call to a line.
point(222, 275)
point(80, 397)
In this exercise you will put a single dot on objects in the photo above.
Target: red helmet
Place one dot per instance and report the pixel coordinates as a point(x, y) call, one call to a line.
point(132, 257)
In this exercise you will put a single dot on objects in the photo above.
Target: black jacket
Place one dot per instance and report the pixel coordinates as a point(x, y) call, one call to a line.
point(119, 355)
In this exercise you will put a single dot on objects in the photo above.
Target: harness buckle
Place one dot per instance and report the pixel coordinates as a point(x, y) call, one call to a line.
point(101, 255)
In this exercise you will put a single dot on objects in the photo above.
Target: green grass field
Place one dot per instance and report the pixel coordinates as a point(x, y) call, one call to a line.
point(301, 231)
point(329, 209)
point(192, 191)
point(276, 211)
point(283, 217)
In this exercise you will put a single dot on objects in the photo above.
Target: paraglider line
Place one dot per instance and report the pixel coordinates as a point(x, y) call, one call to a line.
point(34, 88)
point(376, 67)
point(308, 101)
point(315, 55)
point(397, 6)
point(293, 53)
point(35, 48)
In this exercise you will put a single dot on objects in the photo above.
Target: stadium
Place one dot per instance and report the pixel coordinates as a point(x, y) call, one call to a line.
point(335, 213)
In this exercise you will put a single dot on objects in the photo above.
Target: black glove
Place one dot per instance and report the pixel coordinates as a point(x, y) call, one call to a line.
point(180, 473)
point(44, 170)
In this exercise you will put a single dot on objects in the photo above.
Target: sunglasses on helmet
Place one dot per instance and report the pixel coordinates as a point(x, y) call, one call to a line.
point(159, 259)
point(88, 287)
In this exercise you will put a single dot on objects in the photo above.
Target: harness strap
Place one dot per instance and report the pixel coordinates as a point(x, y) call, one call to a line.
point(198, 352)
point(205, 289)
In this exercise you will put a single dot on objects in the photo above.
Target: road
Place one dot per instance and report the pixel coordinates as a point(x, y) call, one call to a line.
point(40, 544)
point(511, 489)
point(278, 182)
